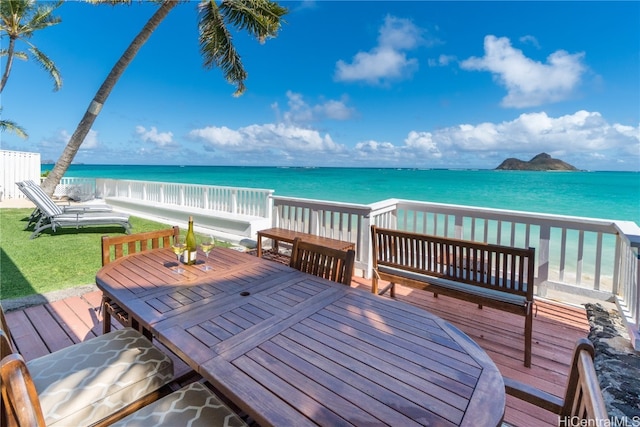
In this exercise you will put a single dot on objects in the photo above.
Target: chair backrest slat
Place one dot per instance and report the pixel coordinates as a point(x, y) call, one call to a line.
point(119, 246)
point(321, 261)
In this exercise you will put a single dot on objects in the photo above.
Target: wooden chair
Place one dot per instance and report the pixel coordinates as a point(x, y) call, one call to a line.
point(328, 263)
point(193, 405)
point(94, 382)
point(20, 404)
point(583, 398)
point(119, 246)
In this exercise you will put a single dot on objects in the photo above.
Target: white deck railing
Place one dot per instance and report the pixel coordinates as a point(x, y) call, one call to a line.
point(583, 256)
point(234, 200)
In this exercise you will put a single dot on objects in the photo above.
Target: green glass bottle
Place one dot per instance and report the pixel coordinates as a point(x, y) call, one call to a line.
point(190, 252)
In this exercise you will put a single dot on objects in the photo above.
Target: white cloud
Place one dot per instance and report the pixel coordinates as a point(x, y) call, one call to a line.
point(583, 134)
point(529, 83)
point(530, 40)
point(160, 139)
point(388, 60)
point(90, 141)
point(442, 61)
point(285, 140)
point(63, 137)
point(301, 113)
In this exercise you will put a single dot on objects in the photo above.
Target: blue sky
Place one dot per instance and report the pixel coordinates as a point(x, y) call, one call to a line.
point(361, 83)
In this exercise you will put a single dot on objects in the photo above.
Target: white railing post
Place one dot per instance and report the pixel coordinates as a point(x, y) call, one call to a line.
point(543, 259)
point(365, 247)
point(459, 226)
point(234, 201)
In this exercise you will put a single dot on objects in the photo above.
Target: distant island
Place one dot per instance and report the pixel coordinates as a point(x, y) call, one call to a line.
point(541, 162)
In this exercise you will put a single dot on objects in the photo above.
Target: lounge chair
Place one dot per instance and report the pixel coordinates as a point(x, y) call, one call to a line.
point(39, 197)
point(53, 216)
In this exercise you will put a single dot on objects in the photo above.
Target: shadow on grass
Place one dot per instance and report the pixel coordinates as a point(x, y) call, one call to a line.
point(89, 229)
point(12, 279)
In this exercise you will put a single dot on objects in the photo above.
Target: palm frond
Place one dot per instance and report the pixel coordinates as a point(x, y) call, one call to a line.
point(48, 66)
point(260, 18)
point(20, 55)
point(9, 126)
point(217, 47)
point(43, 18)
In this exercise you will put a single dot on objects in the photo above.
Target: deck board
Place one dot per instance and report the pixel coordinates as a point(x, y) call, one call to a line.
point(46, 328)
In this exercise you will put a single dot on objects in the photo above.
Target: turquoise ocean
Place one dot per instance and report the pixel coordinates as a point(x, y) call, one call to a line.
point(607, 195)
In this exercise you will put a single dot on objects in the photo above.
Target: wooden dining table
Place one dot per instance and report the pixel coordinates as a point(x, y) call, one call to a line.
point(291, 349)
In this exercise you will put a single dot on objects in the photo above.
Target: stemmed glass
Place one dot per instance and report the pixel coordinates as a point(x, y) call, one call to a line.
point(178, 246)
point(206, 245)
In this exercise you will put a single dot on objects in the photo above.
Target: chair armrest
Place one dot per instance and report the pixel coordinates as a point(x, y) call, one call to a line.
point(533, 395)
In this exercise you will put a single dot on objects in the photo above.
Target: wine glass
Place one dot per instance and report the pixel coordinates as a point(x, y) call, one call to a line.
point(206, 245)
point(178, 246)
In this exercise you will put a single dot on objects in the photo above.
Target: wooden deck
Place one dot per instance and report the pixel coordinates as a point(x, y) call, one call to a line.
point(45, 328)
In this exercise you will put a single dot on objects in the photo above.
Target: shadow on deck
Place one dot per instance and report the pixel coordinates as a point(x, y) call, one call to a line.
point(41, 329)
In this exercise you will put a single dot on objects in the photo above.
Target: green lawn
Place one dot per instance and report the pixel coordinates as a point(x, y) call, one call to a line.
point(52, 261)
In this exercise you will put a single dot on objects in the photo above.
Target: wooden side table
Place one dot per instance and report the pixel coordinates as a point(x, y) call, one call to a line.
point(284, 235)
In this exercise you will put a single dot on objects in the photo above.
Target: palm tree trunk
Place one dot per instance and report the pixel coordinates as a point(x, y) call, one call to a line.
point(101, 96)
point(7, 68)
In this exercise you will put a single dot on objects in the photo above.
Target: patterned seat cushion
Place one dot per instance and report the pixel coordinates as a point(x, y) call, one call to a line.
point(193, 405)
point(86, 382)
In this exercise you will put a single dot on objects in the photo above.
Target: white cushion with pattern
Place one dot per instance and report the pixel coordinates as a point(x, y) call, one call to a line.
point(86, 382)
point(193, 405)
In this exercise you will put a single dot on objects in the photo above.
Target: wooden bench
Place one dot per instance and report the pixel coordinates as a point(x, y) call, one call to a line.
point(497, 276)
point(284, 235)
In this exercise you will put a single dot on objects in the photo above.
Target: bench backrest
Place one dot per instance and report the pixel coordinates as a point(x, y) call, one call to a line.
point(119, 246)
point(321, 261)
point(486, 265)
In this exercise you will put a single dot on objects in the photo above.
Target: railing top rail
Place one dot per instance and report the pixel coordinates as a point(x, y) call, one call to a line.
point(297, 201)
point(261, 190)
point(534, 218)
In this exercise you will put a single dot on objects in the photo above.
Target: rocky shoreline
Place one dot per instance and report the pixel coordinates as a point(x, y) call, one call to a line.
point(617, 364)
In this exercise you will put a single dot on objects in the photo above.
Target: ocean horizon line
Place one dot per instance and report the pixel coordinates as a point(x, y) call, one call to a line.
point(339, 167)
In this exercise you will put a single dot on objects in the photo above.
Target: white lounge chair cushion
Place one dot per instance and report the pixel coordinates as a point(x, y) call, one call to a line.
point(86, 382)
point(193, 405)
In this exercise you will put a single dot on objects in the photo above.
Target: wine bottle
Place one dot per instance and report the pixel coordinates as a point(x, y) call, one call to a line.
point(190, 252)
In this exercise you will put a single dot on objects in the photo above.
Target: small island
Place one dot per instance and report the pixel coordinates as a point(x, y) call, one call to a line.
point(541, 162)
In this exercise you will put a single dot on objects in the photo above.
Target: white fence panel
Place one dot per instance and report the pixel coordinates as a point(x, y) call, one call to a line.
point(17, 166)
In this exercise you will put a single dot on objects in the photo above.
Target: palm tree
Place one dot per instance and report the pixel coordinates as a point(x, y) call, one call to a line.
point(260, 18)
point(19, 19)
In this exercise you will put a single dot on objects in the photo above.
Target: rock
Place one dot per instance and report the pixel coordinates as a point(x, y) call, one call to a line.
point(616, 362)
point(541, 162)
